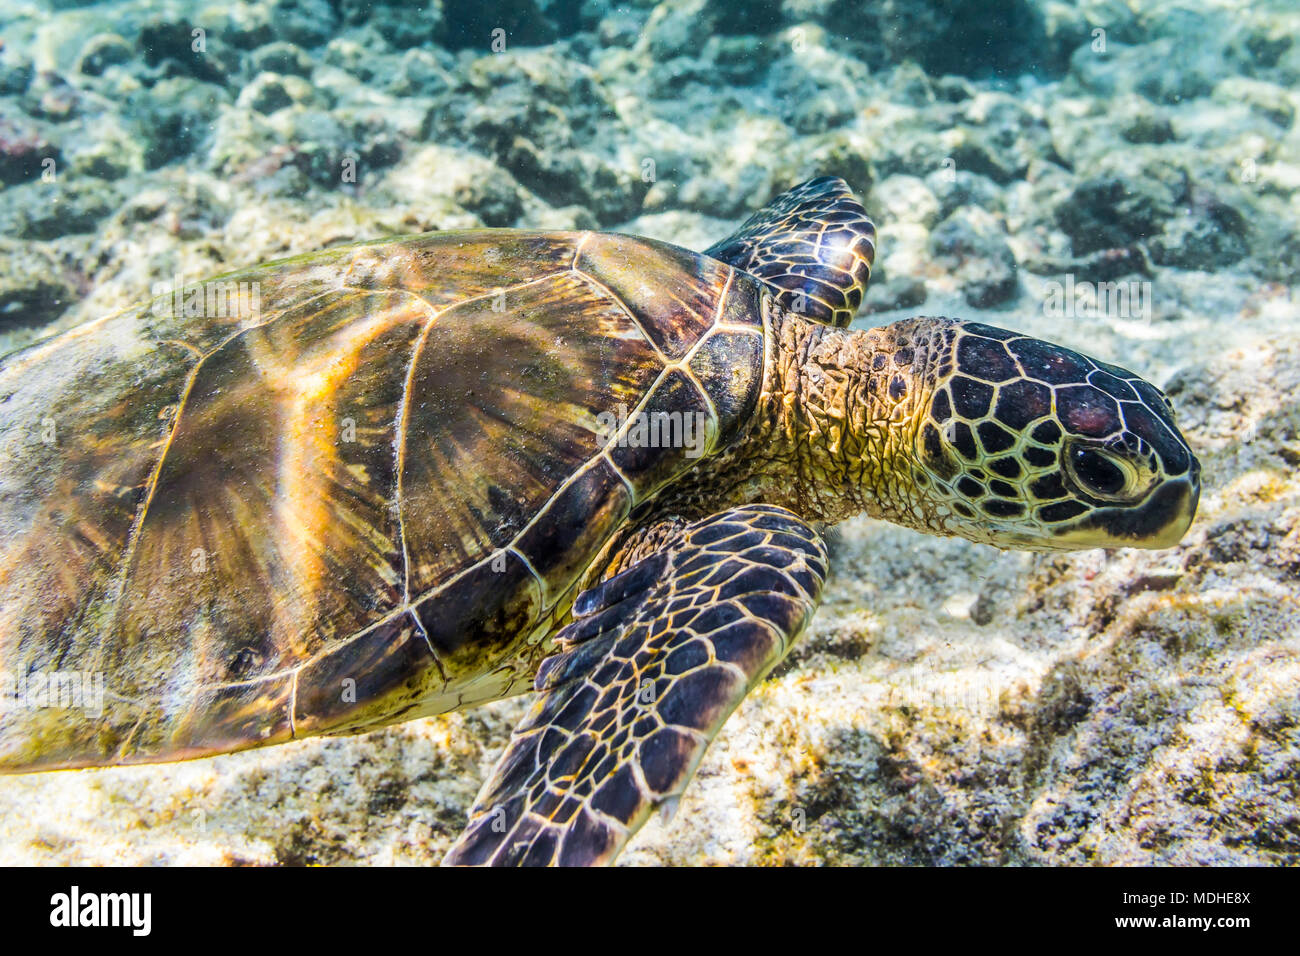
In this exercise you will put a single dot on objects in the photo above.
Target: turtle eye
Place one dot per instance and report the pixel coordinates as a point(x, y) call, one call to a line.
point(1098, 473)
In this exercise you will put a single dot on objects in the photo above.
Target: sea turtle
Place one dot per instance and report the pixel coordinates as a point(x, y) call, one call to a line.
point(409, 476)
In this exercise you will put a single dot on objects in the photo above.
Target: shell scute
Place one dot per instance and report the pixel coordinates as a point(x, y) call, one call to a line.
point(673, 294)
point(503, 405)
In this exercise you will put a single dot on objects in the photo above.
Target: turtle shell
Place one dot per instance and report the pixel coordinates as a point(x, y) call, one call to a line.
point(340, 490)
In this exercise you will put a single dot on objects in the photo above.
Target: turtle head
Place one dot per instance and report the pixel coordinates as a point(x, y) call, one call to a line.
point(1023, 444)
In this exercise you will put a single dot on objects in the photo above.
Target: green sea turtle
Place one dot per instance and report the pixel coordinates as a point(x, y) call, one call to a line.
point(405, 477)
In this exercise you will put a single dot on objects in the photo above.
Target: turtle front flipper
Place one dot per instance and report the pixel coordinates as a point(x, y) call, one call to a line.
point(814, 245)
point(654, 661)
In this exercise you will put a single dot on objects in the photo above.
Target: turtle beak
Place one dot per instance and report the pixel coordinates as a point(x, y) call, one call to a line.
point(1178, 501)
point(1159, 521)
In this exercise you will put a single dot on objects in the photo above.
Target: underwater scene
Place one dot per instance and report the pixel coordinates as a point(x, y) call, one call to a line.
point(875, 441)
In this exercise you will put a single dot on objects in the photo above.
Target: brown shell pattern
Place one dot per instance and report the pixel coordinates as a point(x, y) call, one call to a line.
point(359, 489)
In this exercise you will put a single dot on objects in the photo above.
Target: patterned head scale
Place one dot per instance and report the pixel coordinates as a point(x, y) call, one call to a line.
point(813, 245)
point(1028, 444)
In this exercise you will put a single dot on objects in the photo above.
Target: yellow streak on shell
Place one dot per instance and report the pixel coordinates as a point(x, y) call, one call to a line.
point(306, 391)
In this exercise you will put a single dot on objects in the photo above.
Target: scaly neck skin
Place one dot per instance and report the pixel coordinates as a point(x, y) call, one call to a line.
point(834, 432)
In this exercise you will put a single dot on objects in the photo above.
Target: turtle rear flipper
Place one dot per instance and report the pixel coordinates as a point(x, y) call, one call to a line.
point(656, 659)
point(814, 245)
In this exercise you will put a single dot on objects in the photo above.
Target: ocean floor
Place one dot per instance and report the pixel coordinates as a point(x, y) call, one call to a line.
point(952, 703)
